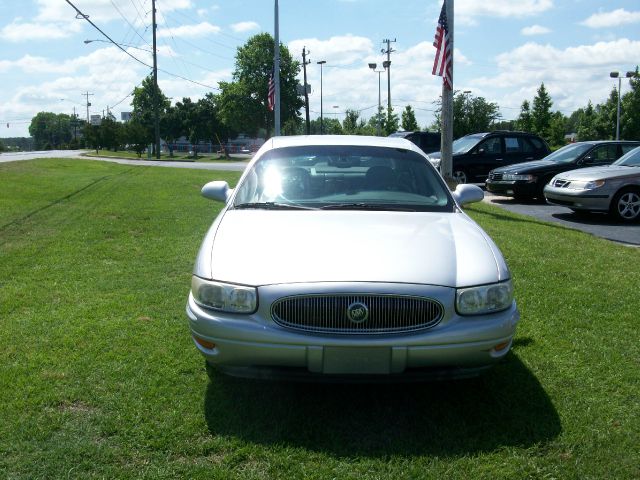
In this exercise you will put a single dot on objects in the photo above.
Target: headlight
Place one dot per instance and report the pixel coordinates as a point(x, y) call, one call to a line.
point(512, 176)
point(485, 299)
point(224, 296)
point(577, 185)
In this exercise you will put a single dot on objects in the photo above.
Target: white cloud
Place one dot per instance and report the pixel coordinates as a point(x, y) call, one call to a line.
point(573, 75)
point(23, 32)
point(190, 31)
point(535, 30)
point(467, 11)
point(615, 18)
point(339, 50)
point(243, 27)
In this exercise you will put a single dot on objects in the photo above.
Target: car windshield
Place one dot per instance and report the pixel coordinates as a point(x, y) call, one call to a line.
point(343, 177)
point(630, 159)
point(568, 153)
point(466, 143)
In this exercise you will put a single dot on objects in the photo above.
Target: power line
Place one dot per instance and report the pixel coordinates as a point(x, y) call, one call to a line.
point(82, 16)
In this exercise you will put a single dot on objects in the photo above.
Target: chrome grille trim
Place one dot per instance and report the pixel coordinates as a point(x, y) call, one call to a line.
point(328, 313)
point(560, 183)
point(495, 176)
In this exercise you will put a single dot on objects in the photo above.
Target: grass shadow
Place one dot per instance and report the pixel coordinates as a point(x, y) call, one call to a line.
point(505, 407)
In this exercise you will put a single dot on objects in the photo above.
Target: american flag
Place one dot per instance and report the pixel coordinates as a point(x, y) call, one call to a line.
point(442, 62)
point(271, 98)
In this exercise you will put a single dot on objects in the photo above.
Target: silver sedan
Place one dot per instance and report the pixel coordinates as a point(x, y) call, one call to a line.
point(341, 256)
point(613, 188)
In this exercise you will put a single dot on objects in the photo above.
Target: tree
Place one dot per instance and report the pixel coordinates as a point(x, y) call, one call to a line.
point(409, 123)
point(557, 129)
point(108, 132)
point(587, 129)
point(470, 114)
point(91, 134)
point(50, 130)
point(630, 120)
point(135, 136)
point(391, 123)
point(243, 102)
point(144, 100)
point(525, 122)
point(2, 147)
point(541, 114)
point(350, 122)
point(171, 127)
point(193, 122)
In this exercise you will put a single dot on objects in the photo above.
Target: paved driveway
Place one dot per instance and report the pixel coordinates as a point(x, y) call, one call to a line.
point(600, 225)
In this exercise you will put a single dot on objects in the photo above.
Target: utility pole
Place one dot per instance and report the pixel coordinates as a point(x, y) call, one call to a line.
point(156, 97)
point(88, 104)
point(306, 62)
point(321, 63)
point(446, 148)
point(387, 65)
point(276, 69)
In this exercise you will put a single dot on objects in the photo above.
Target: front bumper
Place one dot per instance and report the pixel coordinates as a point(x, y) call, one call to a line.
point(512, 188)
point(250, 345)
point(578, 199)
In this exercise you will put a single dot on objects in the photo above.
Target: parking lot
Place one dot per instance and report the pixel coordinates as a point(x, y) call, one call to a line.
point(597, 224)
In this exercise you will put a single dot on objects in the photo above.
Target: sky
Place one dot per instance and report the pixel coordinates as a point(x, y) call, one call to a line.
point(504, 49)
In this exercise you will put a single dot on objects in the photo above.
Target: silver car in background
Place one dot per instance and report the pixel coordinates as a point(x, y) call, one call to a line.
point(613, 188)
point(348, 256)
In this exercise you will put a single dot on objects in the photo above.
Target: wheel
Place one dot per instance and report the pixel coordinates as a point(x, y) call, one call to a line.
point(460, 176)
point(626, 205)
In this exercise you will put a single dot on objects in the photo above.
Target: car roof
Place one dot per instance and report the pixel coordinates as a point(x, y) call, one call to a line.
point(599, 142)
point(346, 140)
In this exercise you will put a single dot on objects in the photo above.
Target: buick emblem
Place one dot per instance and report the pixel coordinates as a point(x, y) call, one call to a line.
point(357, 312)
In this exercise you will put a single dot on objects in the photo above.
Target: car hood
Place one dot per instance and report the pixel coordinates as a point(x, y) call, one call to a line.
point(258, 247)
point(531, 167)
point(601, 173)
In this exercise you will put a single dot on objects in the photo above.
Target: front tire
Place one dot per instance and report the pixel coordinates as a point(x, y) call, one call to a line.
point(625, 205)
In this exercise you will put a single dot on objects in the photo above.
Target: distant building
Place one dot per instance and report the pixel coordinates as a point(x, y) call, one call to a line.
point(96, 120)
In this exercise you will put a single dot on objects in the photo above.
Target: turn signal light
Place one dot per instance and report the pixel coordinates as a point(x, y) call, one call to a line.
point(205, 343)
point(501, 346)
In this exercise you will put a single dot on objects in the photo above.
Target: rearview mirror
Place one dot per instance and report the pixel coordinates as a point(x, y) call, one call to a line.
point(217, 190)
point(466, 193)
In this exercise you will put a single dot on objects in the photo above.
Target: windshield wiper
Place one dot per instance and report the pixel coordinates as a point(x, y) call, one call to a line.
point(366, 206)
point(271, 206)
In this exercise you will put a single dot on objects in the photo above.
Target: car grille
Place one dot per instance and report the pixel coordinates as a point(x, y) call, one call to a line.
point(561, 183)
point(495, 176)
point(356, 314)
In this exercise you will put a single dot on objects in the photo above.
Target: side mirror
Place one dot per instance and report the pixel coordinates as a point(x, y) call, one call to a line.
point(218, 190)
point(480, 151)
point(466, 193)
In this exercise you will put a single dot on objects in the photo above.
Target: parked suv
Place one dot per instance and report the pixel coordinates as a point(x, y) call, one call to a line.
point(427, 141)
point(476, 154)
point(527, 180)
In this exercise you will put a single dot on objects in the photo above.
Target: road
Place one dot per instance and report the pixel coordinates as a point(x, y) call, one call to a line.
point(238, 164)
point(599, 225)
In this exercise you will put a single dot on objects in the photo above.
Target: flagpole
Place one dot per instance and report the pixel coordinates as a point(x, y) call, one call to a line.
point(276, 68)
point(446, 160)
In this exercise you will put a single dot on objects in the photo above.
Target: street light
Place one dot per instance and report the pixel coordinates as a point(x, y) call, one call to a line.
point(120, 44)
point(373, 67)
point(321, 63)
point(619, 77)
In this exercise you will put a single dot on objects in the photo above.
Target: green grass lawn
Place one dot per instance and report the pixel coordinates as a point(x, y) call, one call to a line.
point(177, 156)
point(99, 377)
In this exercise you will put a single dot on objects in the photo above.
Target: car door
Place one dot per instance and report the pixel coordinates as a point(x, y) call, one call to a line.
point(489, 154)
point(516, 150)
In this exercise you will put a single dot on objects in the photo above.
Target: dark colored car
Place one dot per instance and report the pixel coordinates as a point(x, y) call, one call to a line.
point(475, 155)
point(427, 141)
point(527, 180)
